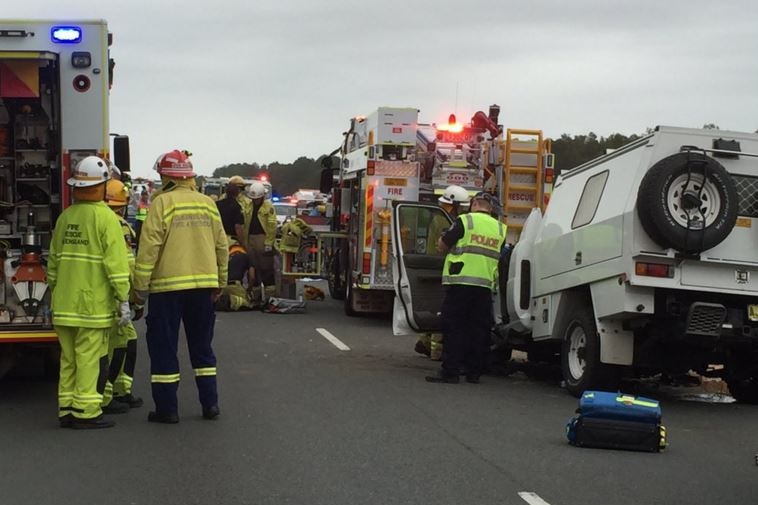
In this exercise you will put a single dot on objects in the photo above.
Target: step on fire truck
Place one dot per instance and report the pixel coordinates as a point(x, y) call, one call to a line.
point(388, 157)
point(54, 85)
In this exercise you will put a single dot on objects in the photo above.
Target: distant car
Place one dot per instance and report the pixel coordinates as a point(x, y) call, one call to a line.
point(284, 212)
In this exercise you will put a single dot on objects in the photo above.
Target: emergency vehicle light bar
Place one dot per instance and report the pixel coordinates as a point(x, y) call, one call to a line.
point(66, 34)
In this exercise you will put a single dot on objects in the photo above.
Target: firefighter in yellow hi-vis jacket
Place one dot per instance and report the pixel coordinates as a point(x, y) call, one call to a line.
point(88, 273)
point(122, 346)
point(182, 263)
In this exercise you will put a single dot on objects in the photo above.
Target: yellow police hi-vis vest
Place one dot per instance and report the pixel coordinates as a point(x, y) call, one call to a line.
point(183, 244)
point(87, 267)
point(473, 259)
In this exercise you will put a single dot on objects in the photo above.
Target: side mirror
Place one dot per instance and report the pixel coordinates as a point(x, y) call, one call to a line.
point(327, 180)
point(121, 153)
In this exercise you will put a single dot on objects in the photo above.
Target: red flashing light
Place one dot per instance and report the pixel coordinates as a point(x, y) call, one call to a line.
point(264, 178)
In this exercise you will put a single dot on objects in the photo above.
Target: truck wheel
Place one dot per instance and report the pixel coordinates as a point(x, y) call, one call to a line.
point(349, 295)
point(688, 202)
point(580, 354)
point(336, 279)
point(742, 379)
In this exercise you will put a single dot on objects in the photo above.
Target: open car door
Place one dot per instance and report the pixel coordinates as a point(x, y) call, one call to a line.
point(417, 266)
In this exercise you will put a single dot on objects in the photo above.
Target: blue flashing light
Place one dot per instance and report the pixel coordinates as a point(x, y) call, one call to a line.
point(66, 34)
point(274, 198)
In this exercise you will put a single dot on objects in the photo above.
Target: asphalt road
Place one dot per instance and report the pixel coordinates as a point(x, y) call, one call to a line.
point(304, 422)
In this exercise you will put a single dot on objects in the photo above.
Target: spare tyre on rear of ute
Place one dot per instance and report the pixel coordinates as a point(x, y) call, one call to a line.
point(688, 202)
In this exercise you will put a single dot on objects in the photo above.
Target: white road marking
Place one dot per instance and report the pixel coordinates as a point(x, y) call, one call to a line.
point(532, 498)
point(334, 340)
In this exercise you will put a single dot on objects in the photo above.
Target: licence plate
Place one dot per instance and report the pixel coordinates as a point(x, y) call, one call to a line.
point(752, 312)
point(389, 181)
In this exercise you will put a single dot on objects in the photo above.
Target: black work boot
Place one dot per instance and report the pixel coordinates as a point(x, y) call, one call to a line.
point(443, 379)
point(95, 423)
point(131, 400)
point(66, 421)
point(116, 408)
point(211, 413)
point(155, 417)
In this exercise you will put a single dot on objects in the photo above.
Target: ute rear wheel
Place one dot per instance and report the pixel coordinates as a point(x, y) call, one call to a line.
point(580, 353)
point(688, 202)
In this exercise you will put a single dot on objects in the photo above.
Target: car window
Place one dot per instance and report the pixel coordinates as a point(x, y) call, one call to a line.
point(590, 199)
point(420, 227)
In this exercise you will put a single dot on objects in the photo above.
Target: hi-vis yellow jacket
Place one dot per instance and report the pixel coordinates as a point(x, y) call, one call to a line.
point(266, 217)
point(129, 238)
point(87, 267)
point(182, 244)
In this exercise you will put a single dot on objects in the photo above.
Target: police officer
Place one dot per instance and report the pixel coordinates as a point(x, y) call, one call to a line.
point(454, 200)
point(473, 246)
point(122, 345)
point(88, 273)
point(182, 262)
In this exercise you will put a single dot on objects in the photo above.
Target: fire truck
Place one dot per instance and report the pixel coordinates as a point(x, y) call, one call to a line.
point(55, 79)
point(388, 157)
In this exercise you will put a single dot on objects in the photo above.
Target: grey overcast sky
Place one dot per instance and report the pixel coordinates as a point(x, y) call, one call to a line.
point(271, 80)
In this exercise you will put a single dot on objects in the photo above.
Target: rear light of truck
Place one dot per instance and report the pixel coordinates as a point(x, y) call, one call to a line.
point(549, 175)
point(654, 270)
point(366, 263)
point(370, 167)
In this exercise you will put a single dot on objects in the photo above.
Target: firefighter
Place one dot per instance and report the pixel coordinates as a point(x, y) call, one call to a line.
point(88, 273)
point(473, 247)
point(260, 244)
point(122, 345)
point(142, 209)
point(454, 201)
point(183, 282)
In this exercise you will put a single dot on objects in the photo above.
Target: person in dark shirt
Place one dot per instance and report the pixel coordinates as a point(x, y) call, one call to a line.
point(231, 212)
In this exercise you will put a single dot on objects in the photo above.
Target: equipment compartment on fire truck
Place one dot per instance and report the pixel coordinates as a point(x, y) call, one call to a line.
point(54, 85)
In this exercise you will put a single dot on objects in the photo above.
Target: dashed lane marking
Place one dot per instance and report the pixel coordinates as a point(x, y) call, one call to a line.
point(334, 340)
point(532, 498)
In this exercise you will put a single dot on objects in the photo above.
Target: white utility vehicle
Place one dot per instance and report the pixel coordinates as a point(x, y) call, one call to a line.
point(645, 262)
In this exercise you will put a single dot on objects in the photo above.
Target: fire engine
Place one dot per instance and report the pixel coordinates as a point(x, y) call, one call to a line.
point(55, 79)
point(389, 157)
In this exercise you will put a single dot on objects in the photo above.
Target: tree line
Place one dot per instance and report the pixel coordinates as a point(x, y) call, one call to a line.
point(286, 178)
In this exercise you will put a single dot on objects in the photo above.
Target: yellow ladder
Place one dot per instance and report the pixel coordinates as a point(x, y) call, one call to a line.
point(524, 177)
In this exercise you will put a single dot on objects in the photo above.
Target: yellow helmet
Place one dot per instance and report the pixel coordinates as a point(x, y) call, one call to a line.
point(116, 194)
point(236, 180)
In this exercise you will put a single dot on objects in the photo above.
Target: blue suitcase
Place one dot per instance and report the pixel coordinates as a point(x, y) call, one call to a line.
point(617, 421)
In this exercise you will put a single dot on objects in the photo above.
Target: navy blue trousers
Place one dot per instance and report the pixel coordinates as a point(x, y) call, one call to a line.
point(466, 325)
point(194, 308)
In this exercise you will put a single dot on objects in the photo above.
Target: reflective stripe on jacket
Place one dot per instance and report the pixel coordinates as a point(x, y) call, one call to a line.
point(142, 211)
point(87, 266)
point(474, 258)
point(182, 245)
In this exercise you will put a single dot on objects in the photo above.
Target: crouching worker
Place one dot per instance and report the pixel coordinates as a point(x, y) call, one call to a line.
point(88, 273)
point(122, 344)
point(234, 296)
